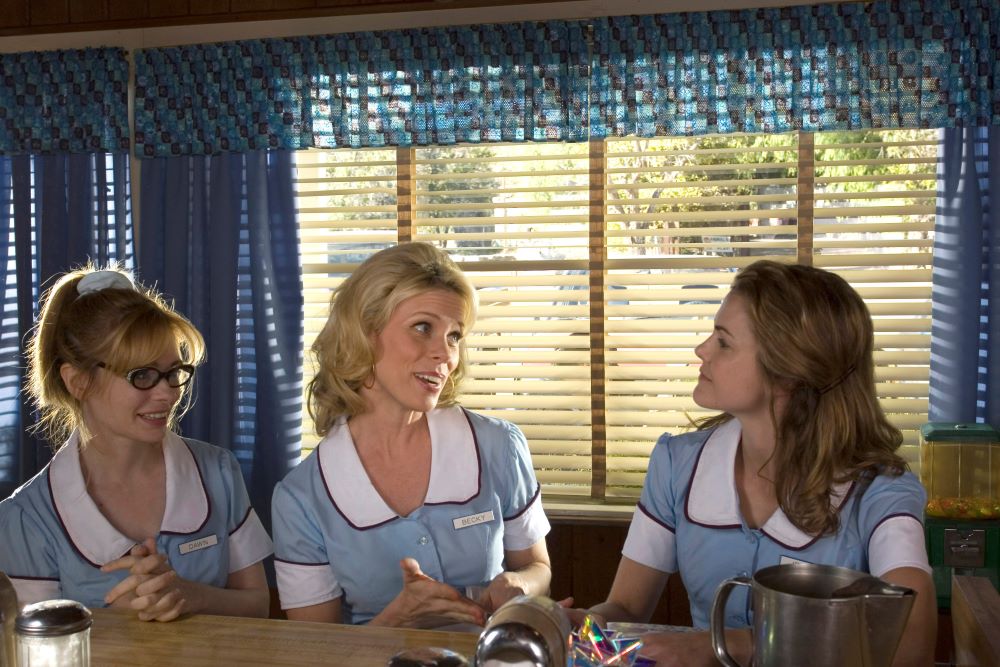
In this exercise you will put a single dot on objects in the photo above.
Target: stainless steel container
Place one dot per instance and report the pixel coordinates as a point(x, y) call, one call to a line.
point(817, 615)
point(526, 630)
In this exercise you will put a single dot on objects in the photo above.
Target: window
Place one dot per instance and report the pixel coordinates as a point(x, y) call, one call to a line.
point(600, 266)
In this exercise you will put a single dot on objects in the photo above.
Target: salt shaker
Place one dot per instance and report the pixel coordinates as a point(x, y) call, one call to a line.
point(54, 633)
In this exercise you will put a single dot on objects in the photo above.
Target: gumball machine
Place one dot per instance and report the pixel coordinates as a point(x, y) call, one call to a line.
point(960, 468)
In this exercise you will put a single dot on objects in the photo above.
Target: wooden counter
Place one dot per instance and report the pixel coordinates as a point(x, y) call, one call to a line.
point(975, 616)
point(118, 638)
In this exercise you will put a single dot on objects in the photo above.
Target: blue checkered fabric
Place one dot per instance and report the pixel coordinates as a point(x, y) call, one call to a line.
point(72, 101)
point(886, 64)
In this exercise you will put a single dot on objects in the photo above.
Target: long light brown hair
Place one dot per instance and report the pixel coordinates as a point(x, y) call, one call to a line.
point(344, 350)
point(815, 340)
point(119, 329)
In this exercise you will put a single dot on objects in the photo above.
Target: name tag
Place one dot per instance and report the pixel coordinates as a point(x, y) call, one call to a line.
point(788, 560)
point(200, 543)
point(472, 519)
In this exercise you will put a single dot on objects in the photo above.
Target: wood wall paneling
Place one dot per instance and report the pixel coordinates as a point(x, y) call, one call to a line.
point(50, 13)
point(126, 10)
point(584, 561)
point(22, 17)
point(14, 14)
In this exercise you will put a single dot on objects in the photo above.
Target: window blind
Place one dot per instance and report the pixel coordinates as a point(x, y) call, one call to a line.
point(600, 266)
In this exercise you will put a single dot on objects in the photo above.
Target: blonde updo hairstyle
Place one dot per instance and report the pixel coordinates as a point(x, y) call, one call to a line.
point(344, 350)
point(117, 326)
point(815, 342)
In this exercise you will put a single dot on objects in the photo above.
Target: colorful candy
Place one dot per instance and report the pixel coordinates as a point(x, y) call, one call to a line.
point(974, 507)
point(592, 646)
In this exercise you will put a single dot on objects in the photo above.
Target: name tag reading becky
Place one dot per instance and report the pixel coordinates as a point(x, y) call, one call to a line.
point(472, 519)
point(200, 543)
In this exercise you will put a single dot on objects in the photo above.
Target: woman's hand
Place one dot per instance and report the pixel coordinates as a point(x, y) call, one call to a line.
point(692, 649)
point(577, 616)
point(151, 588)
point(528, 573)
point(504, 586)
point(425, 602)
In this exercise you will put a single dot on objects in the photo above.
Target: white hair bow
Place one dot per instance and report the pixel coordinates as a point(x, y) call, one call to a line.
point(98, 280)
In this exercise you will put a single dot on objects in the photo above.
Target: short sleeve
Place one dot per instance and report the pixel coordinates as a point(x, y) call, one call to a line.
point(27, 557)
point(651, 539)
point(891, 516)
point(248, 540)
point(301, 565)
point(524, 519)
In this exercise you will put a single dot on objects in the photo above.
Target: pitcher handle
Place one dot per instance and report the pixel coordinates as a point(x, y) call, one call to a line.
point(718, 620)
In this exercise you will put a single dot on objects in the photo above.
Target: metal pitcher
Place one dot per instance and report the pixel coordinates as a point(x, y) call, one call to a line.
point(817, 615)
point(8, 615)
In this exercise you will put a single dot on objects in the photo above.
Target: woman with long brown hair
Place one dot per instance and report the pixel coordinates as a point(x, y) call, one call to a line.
point(800, 466)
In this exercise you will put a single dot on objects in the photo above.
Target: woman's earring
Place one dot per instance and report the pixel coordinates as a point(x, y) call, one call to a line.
point(370, 380)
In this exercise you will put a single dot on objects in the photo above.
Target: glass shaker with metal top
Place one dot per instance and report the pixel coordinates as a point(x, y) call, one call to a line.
point(54, 633)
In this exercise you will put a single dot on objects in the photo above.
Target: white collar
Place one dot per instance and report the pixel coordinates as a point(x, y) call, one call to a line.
point(714, 502)
point(455, 469)
point(98, 541)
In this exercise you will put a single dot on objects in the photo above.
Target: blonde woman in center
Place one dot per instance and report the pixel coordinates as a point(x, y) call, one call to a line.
point(412, 511)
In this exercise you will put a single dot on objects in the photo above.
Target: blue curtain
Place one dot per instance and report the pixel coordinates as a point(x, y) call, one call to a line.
point(56, 212)
point(219, 236)
point(965, 340)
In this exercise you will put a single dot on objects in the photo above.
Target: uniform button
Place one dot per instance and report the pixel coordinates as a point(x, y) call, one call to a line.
point(423, 540)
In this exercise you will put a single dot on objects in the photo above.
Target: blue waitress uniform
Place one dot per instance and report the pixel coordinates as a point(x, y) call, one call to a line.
point(335, 536)
point(55, 539)
point(688, 519)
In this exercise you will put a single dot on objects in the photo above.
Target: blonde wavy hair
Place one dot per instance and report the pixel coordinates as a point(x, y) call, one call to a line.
point(344, 351)
point(120, 329)
point(815, 340)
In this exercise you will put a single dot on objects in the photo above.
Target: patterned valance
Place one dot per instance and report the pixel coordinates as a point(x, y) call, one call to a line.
point(64, 101)
point(892, 63)
point(511, 82)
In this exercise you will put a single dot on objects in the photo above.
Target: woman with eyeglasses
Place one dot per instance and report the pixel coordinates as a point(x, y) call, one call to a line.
point(127, 513)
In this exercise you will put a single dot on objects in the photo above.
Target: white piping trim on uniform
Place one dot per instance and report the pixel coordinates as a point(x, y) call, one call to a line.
point(89, 530)
point(301, 585)
point(714, 502)
point(454, 476)
point(897, 542)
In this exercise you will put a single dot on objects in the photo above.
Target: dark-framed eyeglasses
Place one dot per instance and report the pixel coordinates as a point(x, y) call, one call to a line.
point(148, 377)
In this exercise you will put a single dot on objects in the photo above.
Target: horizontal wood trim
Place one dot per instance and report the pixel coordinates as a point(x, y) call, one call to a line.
point(29, 17)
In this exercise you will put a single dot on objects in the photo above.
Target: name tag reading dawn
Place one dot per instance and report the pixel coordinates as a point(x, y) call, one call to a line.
point(200, 543)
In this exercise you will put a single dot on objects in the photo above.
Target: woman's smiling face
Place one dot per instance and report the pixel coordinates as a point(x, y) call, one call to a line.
point(117, 411)
point(416, 351)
